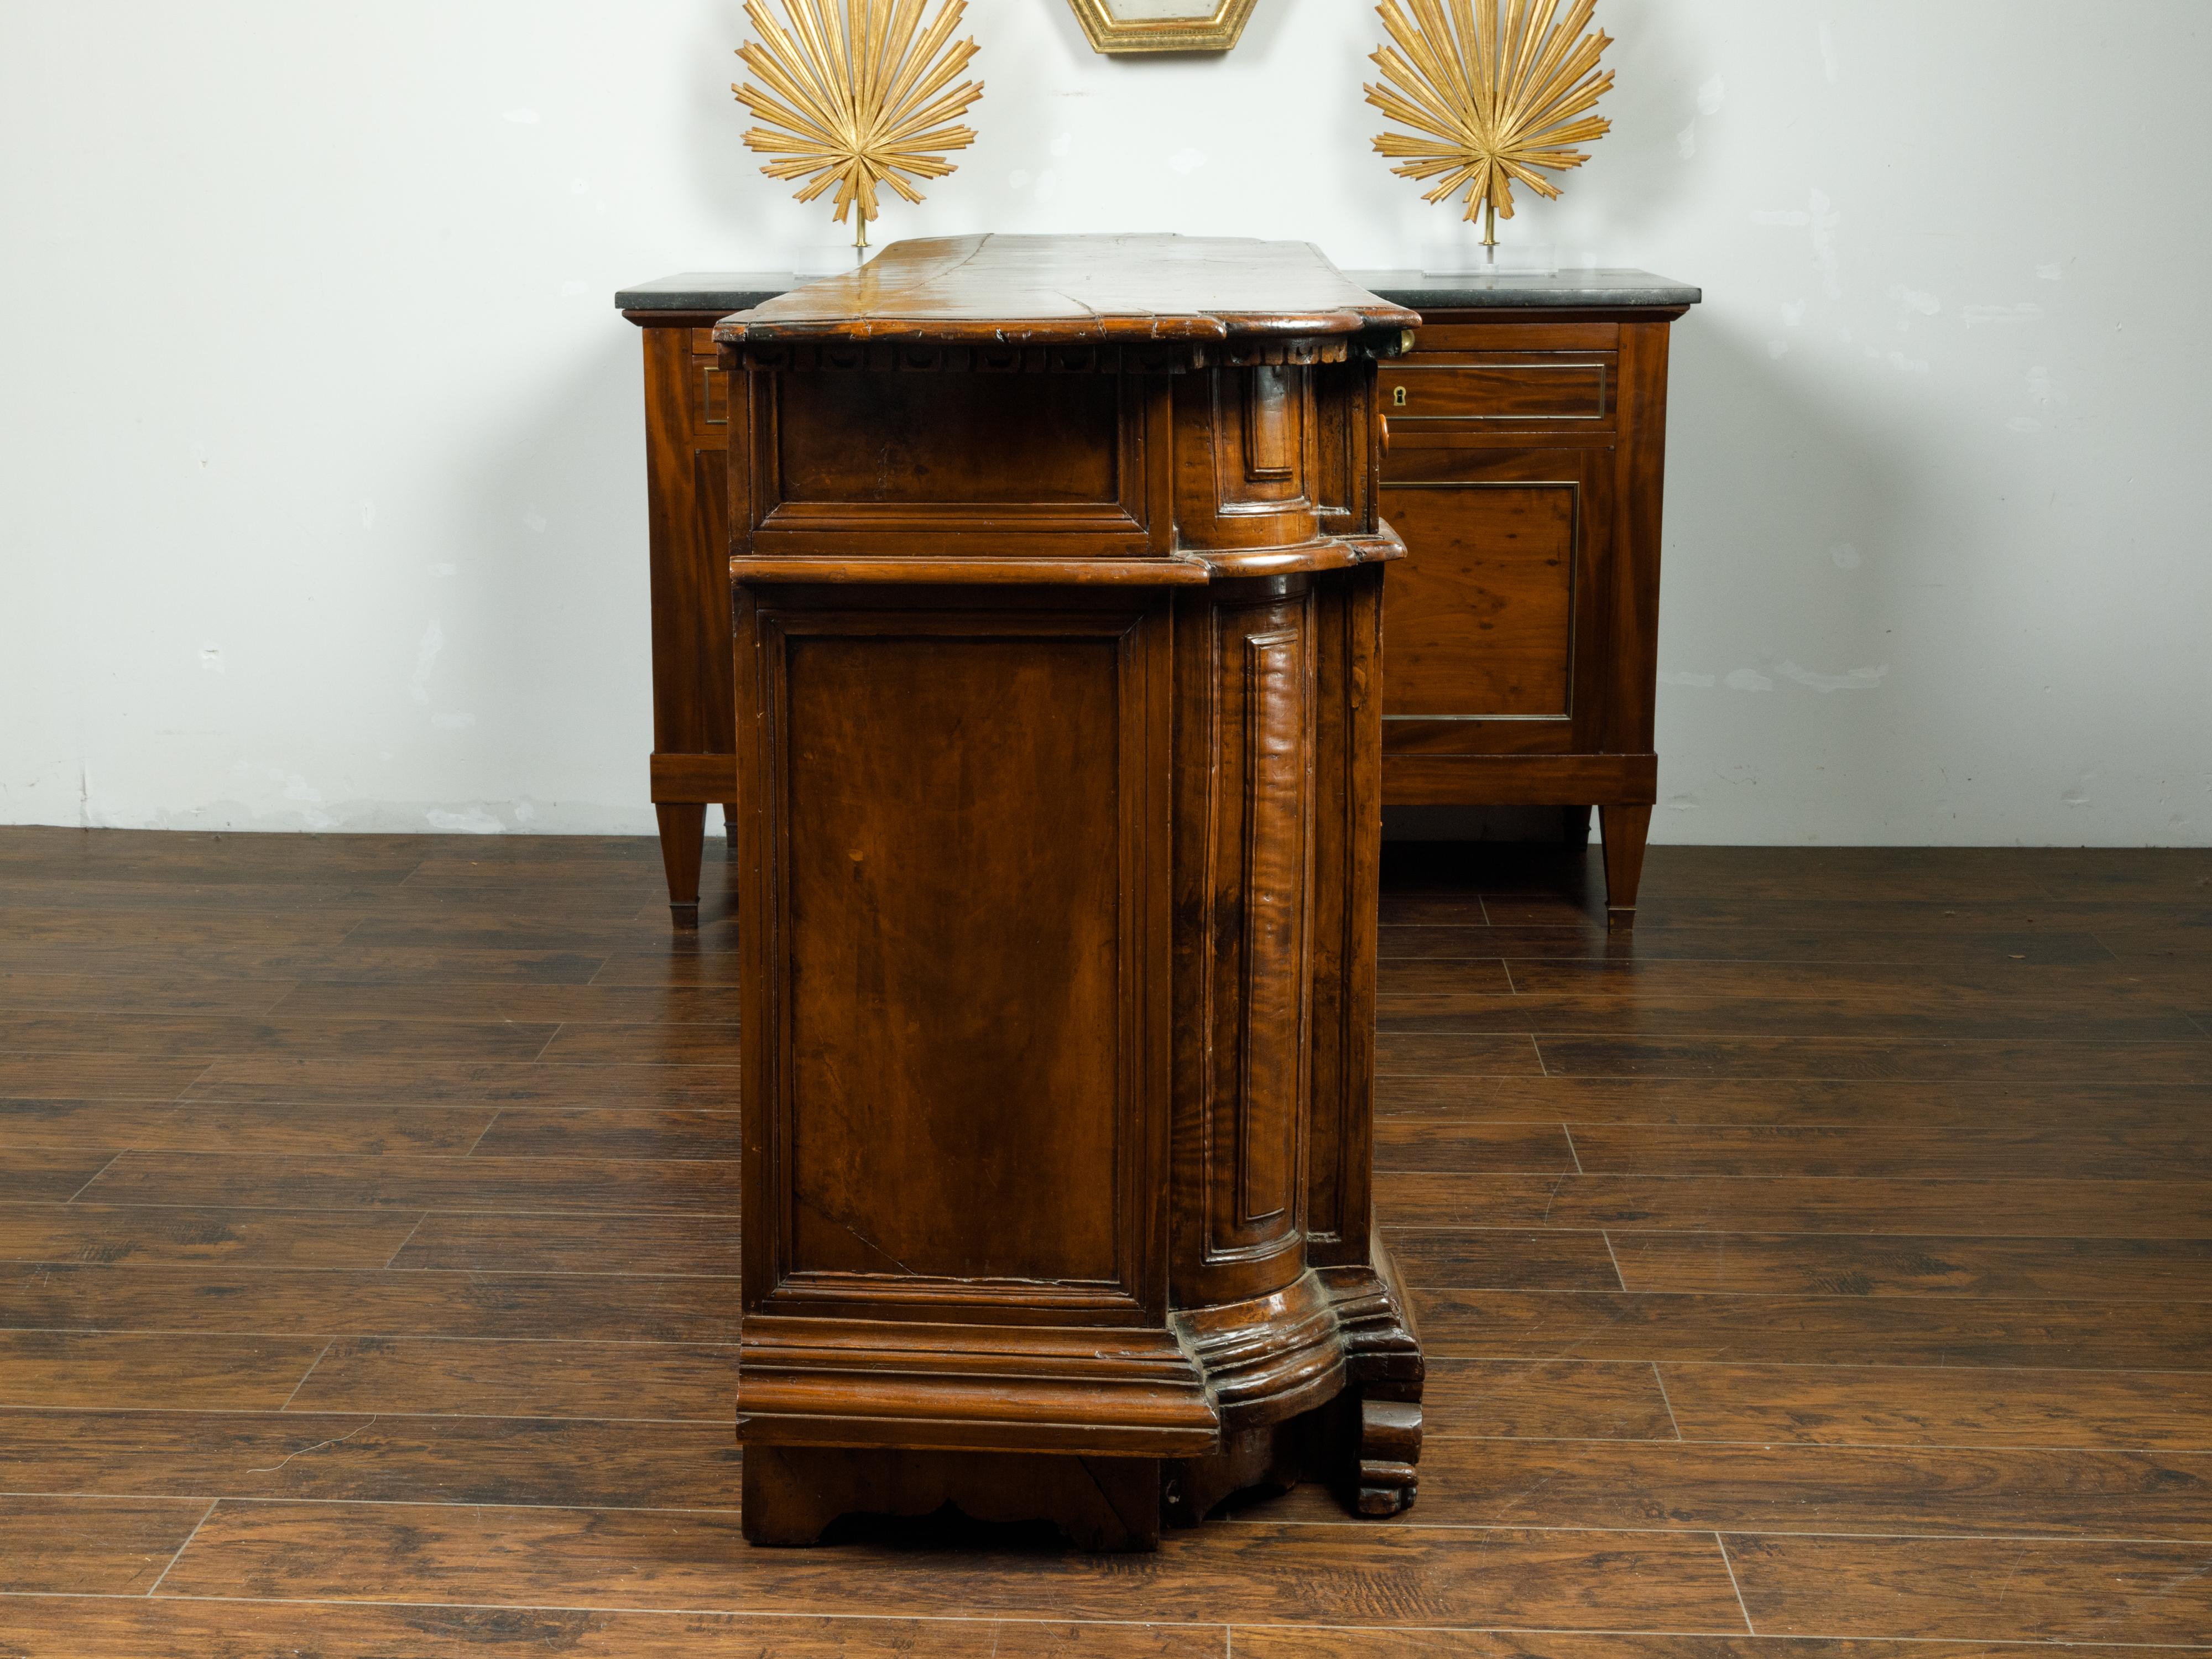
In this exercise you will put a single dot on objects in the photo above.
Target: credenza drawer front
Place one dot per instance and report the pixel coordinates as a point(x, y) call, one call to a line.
point(1504, 389)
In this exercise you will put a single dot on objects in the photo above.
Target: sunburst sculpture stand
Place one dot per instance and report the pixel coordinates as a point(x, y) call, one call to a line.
point(1491, 96)
point(860, 95)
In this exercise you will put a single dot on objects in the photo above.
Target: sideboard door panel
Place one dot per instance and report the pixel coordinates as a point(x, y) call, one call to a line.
point(1481, 620)
point(962, 812)
point(1493, 622)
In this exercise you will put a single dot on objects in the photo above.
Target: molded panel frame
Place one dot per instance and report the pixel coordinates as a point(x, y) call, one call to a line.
point(1138, 624)
point(1588, 472)
point(1137, 523)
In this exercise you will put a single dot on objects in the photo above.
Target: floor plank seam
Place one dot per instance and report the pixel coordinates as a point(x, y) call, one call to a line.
point(181, 1548)
point(409, 1239)
point(88, 1185)
point(1674, 1422)
point(305, 1375)
point(1750, 1629)
point(178, 1099)
point(477, 1145)
point(1614, 1256)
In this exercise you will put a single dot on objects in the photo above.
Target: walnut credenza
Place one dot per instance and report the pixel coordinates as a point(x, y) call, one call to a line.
point(1059, 586)
point(1525, 473)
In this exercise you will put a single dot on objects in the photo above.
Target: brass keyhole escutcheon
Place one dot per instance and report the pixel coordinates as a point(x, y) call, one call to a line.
point(1398, 398)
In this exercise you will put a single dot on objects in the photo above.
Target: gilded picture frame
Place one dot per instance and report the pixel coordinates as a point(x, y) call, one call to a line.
point(1118, 26)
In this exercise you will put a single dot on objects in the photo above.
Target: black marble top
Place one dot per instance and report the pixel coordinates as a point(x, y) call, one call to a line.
point(1605, 290)
point(723, 292)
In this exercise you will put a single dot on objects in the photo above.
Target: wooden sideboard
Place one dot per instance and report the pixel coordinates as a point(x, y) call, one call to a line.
point(1059, 592)
point(1525, 471)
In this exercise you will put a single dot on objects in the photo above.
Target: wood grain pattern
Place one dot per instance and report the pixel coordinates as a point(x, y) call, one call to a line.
point(1240, 1572)
point(1986, 1590)
point(410, 1181)
point(2020, 1102)
point(170, 1629)
point(205, 1373)
point(1816, 1330)
point(371, 1458)
point(88, 1546)
point(705, 1244)
point(2118, 1269)
point(660, 1381)
point(32, 1173)
point(80, 1123)
point(1930, 1354)
point(1695, 1488)
point(1505, 1258)
point(1809, 1150)
point(250, 1079)
point(95, 1076)
point(1941, 1405)
point(2030, 1206)
point(1366, 1643)
point(1508, 1400)
point(108, 1234)
point(235, 1301)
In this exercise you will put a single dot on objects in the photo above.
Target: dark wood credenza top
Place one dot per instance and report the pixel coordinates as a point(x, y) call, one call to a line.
point(1055, 289)
point(727, 292)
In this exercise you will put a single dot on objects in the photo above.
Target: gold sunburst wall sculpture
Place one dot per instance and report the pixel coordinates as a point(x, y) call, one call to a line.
point(1492, 94)
point(859, 94)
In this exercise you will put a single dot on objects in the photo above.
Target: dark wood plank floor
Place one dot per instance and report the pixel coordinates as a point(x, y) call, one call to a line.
point(1825, 1271)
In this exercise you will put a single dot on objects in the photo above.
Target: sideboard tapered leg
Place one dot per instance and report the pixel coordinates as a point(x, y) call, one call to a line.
point(683, 847)
point(1626, 830)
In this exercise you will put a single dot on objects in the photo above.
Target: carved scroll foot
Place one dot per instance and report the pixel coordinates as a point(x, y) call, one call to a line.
point(1382, 1408)
point(1390, 1444)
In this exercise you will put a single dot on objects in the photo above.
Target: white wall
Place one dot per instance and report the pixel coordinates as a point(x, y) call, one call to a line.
point(324, 501)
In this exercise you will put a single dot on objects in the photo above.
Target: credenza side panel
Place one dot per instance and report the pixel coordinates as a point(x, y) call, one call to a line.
point(688, 423)
point(953, 1024)
point(1633, 625)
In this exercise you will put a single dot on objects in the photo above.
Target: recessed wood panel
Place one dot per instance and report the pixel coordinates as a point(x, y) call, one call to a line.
point(1479, 618)
point(953, 834)
point(1275, 852)
point(859, 437)
point(1257, 759)
point(1271, 436)
point(714, 388)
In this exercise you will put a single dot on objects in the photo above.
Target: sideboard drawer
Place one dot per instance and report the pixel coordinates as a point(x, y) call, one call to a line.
point(1501, 388)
